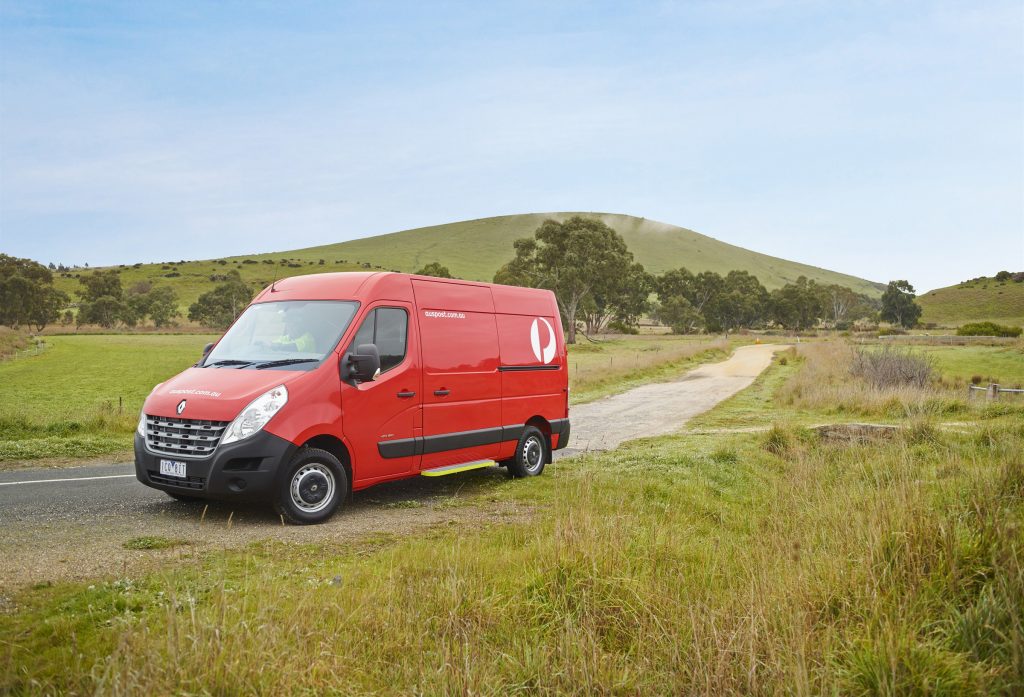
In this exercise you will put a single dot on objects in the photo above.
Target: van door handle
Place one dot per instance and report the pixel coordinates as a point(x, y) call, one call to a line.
point(442, 393)
point(406, 395)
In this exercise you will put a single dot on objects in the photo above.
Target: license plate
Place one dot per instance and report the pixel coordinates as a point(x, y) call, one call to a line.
point(172, 468)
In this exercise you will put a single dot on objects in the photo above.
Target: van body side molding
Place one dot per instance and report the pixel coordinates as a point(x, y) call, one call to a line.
point(425, 445)
point(518, 368)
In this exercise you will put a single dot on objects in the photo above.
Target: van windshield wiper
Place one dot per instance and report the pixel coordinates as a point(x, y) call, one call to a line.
point(286, 361)
point(229, 361)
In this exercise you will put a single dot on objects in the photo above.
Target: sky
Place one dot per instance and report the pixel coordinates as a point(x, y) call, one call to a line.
point(880, 139)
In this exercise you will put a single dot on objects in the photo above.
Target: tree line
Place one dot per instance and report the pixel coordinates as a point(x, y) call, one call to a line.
point(27, 297)
point(599, 285)
point(597, 282)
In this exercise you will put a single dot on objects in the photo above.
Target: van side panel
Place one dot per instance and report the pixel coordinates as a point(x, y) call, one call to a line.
point(533, 374)
point(513, 300)
point(461, 382)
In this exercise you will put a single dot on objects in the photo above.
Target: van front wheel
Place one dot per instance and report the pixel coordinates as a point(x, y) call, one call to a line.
point(531, 454)
point(312, 488)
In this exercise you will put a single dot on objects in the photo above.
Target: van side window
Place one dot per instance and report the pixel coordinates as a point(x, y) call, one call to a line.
point(386, 327)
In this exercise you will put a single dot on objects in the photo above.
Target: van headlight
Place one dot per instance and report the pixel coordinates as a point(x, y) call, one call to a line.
point(141, 428)
point(256, 415)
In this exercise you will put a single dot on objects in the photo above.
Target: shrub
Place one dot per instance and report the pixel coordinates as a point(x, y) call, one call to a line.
point(777, 440)
point(619, 327)
point(725, 455)
point(892, 367)
point(988, 329)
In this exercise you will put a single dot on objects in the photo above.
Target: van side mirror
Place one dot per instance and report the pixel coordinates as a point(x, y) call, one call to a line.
point(206, 352)
point(361, 366)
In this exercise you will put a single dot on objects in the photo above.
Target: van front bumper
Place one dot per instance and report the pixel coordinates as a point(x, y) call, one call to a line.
point(246, 470)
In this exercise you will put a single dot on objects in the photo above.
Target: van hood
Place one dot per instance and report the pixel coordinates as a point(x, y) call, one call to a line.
point(216, 394)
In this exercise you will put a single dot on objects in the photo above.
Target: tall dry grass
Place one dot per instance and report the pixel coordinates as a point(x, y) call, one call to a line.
point(836, 378)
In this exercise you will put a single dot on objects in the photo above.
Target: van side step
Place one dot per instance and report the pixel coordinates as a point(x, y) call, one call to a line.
point(452, 469)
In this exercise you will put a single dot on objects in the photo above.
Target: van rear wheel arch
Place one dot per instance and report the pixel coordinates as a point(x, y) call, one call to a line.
point(544, 426)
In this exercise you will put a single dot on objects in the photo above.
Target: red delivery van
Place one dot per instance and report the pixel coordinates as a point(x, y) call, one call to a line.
point(331, 383)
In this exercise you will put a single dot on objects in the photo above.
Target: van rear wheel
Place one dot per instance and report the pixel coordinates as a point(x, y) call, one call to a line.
point(531, 454)
point(312, 488)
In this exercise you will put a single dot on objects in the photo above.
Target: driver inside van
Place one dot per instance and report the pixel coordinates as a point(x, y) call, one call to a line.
point(296, 337)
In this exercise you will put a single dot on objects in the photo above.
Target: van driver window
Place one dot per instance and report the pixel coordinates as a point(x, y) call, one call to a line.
point(385, 327)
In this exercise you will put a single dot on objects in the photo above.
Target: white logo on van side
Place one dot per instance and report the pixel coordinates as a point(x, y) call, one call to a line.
point(442, 314)
point(548, 352)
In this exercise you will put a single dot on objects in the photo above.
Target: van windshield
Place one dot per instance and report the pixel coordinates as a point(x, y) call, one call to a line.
point(285, 335)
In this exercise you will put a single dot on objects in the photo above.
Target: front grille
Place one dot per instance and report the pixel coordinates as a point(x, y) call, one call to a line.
point(187, 437)
point(186, 483)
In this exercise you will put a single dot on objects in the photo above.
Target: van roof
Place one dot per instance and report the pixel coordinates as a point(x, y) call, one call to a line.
point(362, 285)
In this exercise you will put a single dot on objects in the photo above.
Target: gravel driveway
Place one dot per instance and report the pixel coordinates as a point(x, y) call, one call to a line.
point(75, 528)
point(660, 408)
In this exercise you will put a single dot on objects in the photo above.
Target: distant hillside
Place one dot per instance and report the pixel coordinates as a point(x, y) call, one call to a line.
point(475, 249)
point(976, 300)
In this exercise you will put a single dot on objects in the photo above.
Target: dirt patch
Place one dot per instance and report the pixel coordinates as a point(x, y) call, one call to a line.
point(55, 553)
point(66, 462)
point(855, 433)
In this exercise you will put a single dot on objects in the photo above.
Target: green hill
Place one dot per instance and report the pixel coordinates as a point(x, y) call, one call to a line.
point(977, 300)
point(475, 249)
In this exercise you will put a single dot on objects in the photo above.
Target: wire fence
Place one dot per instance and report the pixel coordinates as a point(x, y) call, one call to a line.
point(992, 392)
point(37, 347)
point(948, 339)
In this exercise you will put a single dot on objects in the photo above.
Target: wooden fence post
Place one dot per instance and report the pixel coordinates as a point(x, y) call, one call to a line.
point(993, 392)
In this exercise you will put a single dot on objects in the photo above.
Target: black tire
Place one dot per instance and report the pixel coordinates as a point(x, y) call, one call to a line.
point(184, 498)
point(531, 454)
point(312, 488)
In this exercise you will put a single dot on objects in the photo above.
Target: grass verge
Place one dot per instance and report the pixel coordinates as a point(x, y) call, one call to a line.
point(722, 564)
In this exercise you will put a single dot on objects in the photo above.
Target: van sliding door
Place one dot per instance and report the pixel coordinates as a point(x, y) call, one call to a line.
point(461, 383)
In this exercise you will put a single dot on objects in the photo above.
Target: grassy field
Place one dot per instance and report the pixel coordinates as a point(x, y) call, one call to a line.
point(1000, 364)
point(474, 250)
point(727, 563)
point(81, 396)
point(975, 301)
point(812, 384)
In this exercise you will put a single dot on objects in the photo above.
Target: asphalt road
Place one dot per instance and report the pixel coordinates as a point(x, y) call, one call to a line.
point(73, 522)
